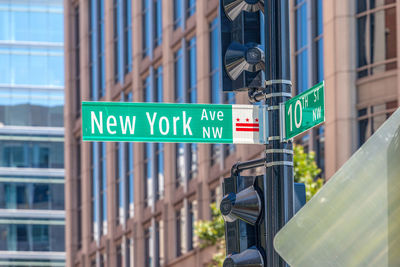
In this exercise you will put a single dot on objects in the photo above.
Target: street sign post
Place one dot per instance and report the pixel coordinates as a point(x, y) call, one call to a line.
point(177, 123)
point(303, 112)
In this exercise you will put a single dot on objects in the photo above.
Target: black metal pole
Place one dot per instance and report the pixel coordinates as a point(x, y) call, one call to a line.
point(279, 155)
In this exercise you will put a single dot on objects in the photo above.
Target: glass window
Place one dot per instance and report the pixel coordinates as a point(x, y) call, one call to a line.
point(192, 219)
point(376, 37)
point(146, 31)
point(192, 67)
point(119, 255)
point(76, 49)
point(148, 173)
point(158, 82)
point(178, 20)
point(191, 7)
point(31, 154)
point(157, 15)
point(159, 240)
point(103, 187)
point(119, 174)
point(194, 161)
point(128, 35)
point(94, 189)
point(372, 117)
point(97, 49)
point(179, 79)
point(32, 237)
point(178, 231)
point(117, 40)
point(159, 170)
point(149, 242)
point(180, 163)
point(301, 47)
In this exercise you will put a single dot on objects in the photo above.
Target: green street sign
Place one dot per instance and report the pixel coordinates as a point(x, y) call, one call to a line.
point(177, 123)
point(303, 112)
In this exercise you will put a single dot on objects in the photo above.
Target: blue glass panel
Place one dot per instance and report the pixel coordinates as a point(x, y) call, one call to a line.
point(20, 25)
point(131, 177)
point(148, 92)
point(146, 31)
point(5, 25)
point(5, 69)
point(159, 84)
point(191, 7)
point(37, 22)
point(56, 33)
point(37, 70)
point(158, 22)
point(178, 20)
point(19, 69)
point(179, 82)
point(301, 27)
point(128, 36)
point(320, 59)
point(104, 180)
point(319, 17)
point(193, 70)
point(214, 44)
point(302, 71)
point(160, 168)
point(55, 73)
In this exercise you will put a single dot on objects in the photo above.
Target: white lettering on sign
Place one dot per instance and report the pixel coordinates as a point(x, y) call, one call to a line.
point(206, 131)
point(186, 126)
point(95, 120)
point(219, 114)
point(298, 123)
point(316, 113)
point(316, 94)
point(111, 124)
point(216, 131)
point(164, 132)
point(175, 120)
point(151, 121)
point(128, 123)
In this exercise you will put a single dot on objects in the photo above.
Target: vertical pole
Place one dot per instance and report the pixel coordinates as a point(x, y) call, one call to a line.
point(279, 155)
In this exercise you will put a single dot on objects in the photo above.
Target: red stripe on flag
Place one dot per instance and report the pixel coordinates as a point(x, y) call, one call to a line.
point(247, 125)
point(247, 129)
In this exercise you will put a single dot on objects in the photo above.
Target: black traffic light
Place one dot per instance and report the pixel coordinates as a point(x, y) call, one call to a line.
point(242, 209)
point(242, 54)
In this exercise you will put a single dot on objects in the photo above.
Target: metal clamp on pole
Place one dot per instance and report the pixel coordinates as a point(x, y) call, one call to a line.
point(256, 95)
point(241, 166)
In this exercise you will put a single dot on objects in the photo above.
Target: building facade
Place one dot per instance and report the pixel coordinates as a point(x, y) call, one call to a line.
point(32, 216)
point(135, 204)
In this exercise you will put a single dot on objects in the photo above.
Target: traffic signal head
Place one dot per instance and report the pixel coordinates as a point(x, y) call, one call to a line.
point(246, 205)
point(249, 257)
point(241, 52)
point(239, 58)
point(242, 209)
point(233, 8)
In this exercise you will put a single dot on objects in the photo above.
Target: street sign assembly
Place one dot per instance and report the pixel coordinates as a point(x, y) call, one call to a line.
point(303, 112)
point(179, 123)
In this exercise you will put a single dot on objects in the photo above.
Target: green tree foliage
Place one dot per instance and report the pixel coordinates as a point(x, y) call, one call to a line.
point(212, 232)
point(306, 171)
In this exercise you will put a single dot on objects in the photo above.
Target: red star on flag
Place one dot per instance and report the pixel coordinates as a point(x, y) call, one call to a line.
point(247, 119)
point(237, 119)
point(256, 120)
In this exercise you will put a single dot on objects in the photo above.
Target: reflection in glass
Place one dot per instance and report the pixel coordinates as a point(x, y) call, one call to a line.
point(31, 237)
